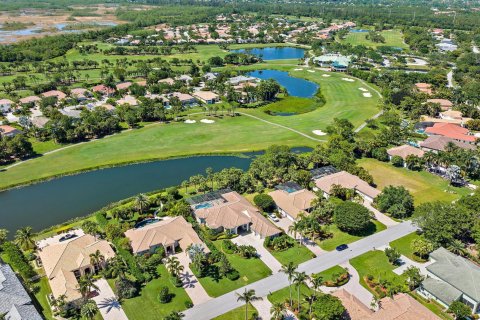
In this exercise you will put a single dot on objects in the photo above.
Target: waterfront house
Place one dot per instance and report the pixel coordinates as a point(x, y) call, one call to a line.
point(227, 210)
point(451, 278)
point(349, 181)
point(15, 302)
point(66, 261)
point(169, 233)
point(292, 200)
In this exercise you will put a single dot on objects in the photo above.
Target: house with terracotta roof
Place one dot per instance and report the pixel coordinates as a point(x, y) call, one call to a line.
point(66, 261)
point(54, 93)
point(207, 97)
point(444, 103)
point(30, 100)
point(424, 87)
point(128, 99)
point(8, 131)
point(229, 211)
point(103, 90)
point(439, 143)
point(80, 94)
point(6, 105)
point(169, 233)
point(293, 201)
point(349, 181)
point(451, 131)
point(452, 278)
point(404, 151)
point(124, 85)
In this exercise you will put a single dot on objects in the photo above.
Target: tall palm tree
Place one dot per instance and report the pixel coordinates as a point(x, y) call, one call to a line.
point(294, 229)
point(141, 202)
point(289, 270)
point(247, 296)
point(85, 285)
point(299, 279)
point(89, 309)
point(173, 266)
point(316, 282)
point(24, 238)
point(97, 259)
point(278, 311)
point(118, 267)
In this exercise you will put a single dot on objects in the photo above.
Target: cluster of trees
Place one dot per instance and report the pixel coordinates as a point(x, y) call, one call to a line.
point(233, 58)
point(375, 37)
point(396, 201)
point(16, 147)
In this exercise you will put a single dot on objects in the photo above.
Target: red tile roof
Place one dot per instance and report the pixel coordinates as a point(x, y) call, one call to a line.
point(450, 130)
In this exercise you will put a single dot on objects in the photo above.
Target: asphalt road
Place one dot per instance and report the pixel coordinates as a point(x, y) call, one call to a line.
point(277, 281)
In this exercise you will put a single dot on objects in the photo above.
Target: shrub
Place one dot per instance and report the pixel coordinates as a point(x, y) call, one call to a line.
point(351, 217)
point(392, 254)
point(17, 260)
point(233, 275)
point(176, 281)
point(164, 295)
point(101, 218)
point(264, 202)
point(125, 288)
point(397, 161)
point(228, 246)
point(396, 201)
point(188, 304)
point(380, 154)
point(113, 231)
point(282, 243)
point(328, 307)
point(246, 251)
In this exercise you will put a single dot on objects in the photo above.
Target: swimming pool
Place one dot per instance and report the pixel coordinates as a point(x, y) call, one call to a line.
point(203, 205)
point(146, 222)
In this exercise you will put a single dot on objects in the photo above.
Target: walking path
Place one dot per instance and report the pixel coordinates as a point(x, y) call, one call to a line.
point(251, 240)
point(190, 283)
point(107, 303)
point(386, 220)
point(277, 281)
point(354, 287)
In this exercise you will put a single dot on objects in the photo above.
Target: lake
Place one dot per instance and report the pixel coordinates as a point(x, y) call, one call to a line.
point(274, 53)
point(56, 201)
point(296, 87)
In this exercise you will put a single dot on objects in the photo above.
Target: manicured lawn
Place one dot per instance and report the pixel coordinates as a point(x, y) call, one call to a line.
point(393, 38)
point(250, 270)
point(403, 245)
point(147, 306)
point(41, 297)
point(284, 294)
point(339, 237)
point(238, 313)
point(375, 263)
point(424, 186)
point(291, 105)
point(297, 254)
point(328, 275)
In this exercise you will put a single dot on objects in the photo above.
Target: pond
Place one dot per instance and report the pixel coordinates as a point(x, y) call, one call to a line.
point(56, 201)
point(274, 53)
point(296, 87)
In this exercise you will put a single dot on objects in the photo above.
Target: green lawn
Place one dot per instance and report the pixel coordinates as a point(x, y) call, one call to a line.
point(424, 186)
point(250, 270)
point(41, 297)
point(403, 245)
point(296, 254)
point(291, 105)
point(146, 305)
point(375, 263)
point(393, 38)
point(238, 313)
point(339, 237)
point(284, 294)
point(328, 275)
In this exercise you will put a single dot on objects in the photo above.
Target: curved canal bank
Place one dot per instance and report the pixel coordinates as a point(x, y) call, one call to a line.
point(53, 202)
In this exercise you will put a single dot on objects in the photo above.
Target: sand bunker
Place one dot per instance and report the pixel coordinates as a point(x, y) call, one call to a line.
point(348, 79)
point(298, 69)
point(319, 132)
point(190, 121)
point(207, 121)
point(363, 89)
point(312, 71)
point(325, 75)
point(367, 94)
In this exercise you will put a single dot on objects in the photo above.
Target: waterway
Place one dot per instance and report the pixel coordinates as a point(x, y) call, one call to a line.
point(275, 53)
point(296, 87)
point(56, 201)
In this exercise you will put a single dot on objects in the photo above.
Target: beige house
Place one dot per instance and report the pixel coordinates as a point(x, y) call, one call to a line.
point(207, 97)
point(349, 181)
point(54, 93)
point(444, 103)
point(65, 262)
point(30, 100)
point(292, 204)
point(233, 212)
point(404, 151)
point(169, 233)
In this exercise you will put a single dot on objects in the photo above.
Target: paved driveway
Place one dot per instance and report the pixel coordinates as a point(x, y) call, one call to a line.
point(190, 283)
point(251, 240)
point(386, 220)
point(277, 281)
point(107, 303)
point(354, 287)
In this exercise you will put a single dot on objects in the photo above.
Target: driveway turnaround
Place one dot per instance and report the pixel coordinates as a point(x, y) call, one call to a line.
point(218, 306)
point(251, 240)
point(190, 283)
point(107, 303)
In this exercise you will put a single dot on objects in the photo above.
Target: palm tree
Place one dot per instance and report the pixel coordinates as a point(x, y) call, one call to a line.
point(278, 311)
point(141, 202)
point(173, 266)
point(299, 279)
point(310, 299)
point(118, 267)
point(456, 246)
point(247, 296)
point(97, 259)
point(294, 229)
point(23, 238)
point(89, 309)
point(185, 185)
point(316, 283)
point(289, 270)
point(85, 285)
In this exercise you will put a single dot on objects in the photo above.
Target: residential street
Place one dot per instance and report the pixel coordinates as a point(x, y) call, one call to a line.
point(227, 302)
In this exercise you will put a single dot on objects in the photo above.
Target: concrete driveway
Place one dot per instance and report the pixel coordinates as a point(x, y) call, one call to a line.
point(386, 220)
point(354, 287)
point(250, 239)
point(190, 283)
point(107, 302)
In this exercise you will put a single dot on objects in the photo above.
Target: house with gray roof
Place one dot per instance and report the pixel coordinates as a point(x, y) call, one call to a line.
point(451, 278)
point(15, 303)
